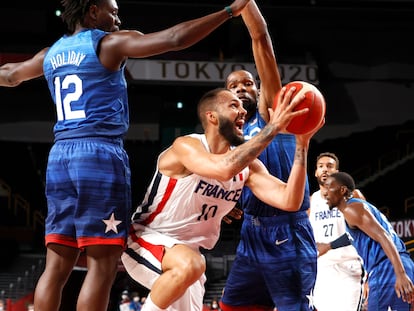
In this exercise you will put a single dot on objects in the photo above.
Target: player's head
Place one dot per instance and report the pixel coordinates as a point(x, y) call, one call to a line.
point(339, 186)
point(243, 84)
point(326, 164)
point(222, 110)
point(100, 14)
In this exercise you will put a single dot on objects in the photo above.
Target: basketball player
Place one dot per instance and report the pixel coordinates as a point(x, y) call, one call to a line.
point(88, 174)
point(198, 180)
point(275, 262)
point(339, 281)
point(389, 266)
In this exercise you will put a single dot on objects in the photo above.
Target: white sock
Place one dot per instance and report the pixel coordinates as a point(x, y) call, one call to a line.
point(149, 305)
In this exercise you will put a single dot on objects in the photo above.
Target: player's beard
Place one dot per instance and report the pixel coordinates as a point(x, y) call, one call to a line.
point(321, 181)
point(226, 129)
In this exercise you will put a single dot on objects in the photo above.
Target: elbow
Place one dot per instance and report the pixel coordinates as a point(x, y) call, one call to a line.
point(287, 206)
point(293, 209)
point(177, 40)
point(293, 205)
point(224, 176)
point(262, 36)
point(13, 82)
point(177, 44)
point(9, 79)
point(225, 173)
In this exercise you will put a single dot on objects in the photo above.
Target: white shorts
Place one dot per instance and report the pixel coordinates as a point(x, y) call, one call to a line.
point(338, 286)
point(142, 260)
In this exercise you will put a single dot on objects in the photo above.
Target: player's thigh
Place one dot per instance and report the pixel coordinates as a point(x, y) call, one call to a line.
point(245, 285)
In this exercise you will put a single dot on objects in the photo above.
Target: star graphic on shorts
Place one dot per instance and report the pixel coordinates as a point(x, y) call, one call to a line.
point(310, 297)
point(111, 224)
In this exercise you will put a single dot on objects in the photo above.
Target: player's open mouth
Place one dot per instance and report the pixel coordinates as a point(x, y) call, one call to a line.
point(239, 125)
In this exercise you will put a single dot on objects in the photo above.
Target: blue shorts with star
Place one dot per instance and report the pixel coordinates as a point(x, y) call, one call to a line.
point(88, 190)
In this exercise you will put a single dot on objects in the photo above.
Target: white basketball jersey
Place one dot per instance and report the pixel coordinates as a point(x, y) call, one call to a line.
point(189, 209)
point(327, 226)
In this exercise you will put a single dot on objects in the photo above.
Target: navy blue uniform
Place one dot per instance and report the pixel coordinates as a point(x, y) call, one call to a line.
point(275, 263)
point(88, 184)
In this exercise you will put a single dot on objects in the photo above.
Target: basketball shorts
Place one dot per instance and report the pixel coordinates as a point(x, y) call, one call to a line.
point(142, 260)
point(88, 191)
point(275, 263)
point(339, 286)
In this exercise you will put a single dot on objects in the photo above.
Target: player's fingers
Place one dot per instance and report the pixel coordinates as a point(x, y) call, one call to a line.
point(227, 220)
point(409, 294)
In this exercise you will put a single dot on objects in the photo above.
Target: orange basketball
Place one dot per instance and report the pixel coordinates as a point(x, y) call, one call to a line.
point(313, 100)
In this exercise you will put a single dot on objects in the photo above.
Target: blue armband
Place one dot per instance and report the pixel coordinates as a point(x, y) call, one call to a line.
point(343, 240)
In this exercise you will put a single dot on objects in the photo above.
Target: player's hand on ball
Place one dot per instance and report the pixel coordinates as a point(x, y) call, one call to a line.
point(284, 111)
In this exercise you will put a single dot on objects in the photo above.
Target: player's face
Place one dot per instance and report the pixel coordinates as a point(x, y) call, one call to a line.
point(107, 18)
point(325, 167)
point(242, 84)
point(231, 117)
point(332, 192)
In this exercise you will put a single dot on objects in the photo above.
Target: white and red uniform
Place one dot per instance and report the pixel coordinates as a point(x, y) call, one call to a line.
point(339, 279)
point(187, 211)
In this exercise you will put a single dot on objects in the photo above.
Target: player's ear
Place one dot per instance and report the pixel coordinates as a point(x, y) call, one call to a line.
point(93, 13)
point(211, 117)
point(344, 190)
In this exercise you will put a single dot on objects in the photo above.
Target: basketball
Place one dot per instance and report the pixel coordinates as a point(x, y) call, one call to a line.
point(313, 100)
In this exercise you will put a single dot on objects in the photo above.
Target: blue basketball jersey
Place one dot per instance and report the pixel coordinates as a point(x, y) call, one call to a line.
point(370, 250)
point(275, 263)
point(278, 157)
point(90, 99)
point(381, 275)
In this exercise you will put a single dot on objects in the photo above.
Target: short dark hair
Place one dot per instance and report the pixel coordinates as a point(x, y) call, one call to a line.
point(329, 155)
point(344, 179)
point(208, 102)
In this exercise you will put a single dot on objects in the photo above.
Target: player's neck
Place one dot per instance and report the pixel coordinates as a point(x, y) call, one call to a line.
point(321, 190)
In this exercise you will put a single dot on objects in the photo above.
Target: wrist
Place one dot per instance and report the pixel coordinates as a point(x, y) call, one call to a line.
point(229, 11)
point(343, 240)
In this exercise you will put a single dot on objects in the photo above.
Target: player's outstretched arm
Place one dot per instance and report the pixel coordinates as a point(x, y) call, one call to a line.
point(357, 216)
point(137, 45)
point(12, 74)
point(264, 57)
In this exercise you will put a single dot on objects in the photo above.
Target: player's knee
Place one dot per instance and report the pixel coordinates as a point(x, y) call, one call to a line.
point(195, 266)
point(190, 269)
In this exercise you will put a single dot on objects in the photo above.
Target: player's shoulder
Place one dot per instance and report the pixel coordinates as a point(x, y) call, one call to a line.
point(316, 194)
point(358, 194)
point(191, 142)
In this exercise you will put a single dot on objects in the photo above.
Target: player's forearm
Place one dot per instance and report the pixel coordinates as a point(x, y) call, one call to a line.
point(244, 154)
point(264, 57)
point(297, 179)
point(190, 32)
point(12, 74)
point(254, 21)
point(392, 253)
